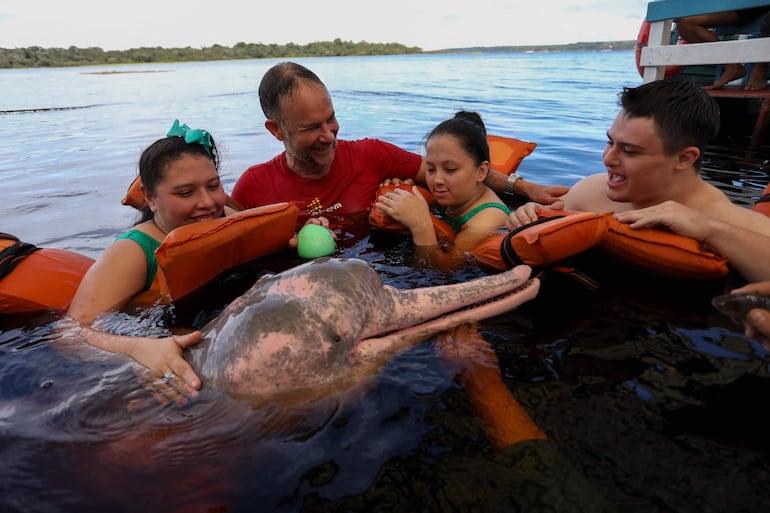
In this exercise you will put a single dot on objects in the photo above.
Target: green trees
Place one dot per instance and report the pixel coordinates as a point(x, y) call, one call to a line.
point(37, 57)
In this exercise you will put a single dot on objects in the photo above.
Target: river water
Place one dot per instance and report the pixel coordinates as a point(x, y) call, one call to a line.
point(650, 396)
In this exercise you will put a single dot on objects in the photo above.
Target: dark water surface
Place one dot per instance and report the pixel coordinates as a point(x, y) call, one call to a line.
point(652, 401)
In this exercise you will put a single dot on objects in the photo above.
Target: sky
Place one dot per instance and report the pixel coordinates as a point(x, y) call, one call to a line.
point(428, 24)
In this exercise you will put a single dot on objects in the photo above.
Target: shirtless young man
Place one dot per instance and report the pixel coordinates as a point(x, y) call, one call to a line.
point(653, 157)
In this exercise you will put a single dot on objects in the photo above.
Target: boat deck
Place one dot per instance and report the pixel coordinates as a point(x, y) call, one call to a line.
point(661, 52)
point(738, 92)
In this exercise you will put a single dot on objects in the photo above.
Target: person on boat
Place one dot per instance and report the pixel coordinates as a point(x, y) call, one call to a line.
point(696, 29)
point(325, 175)
point(457, 165)
point(181, 184)
point(653, 156)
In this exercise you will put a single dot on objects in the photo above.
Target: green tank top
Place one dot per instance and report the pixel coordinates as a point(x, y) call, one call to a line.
point(148, 245)
point(457, 222)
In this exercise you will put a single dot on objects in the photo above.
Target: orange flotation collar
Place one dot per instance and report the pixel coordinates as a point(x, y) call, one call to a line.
point(551, 239)
point(36, 279)
point(662, 252)
point(506, 153)
point(189, 257)
point(382, 221)
point(668, 253)
point(555, 236)
point(561, 234)
point(194, 254)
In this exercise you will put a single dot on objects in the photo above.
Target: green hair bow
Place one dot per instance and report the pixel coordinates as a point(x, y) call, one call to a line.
point(190, 135)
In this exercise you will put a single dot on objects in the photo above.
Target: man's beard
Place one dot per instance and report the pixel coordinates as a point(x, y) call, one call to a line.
point(307, 157)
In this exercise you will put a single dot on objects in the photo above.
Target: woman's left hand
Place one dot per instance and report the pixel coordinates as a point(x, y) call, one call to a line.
point(163, 357)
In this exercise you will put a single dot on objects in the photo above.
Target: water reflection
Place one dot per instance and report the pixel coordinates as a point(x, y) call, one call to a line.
point(739, 168)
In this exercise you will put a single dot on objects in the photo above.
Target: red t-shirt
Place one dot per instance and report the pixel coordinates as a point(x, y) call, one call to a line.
point(349, 187)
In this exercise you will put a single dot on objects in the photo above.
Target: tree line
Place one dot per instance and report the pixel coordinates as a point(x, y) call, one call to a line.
point(38, 57)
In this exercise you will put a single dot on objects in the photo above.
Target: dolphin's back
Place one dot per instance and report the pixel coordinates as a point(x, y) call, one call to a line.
point(290, 330)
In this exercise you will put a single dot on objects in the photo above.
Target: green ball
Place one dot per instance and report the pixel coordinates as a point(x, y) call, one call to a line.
point(314, 241)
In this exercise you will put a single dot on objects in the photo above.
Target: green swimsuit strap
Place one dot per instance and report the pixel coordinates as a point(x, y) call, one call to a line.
point(148, 245)
point(457, 223)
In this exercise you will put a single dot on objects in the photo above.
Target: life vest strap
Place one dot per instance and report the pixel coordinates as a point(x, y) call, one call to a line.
point(13, 254)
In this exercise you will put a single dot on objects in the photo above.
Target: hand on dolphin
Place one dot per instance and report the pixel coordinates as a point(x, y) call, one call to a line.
point(162, 356)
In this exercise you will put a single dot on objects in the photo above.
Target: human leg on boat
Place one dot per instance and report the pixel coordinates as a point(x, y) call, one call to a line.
point(696, 29)
point(757, 77)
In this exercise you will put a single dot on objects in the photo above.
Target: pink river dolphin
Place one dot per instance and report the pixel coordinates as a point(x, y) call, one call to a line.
point(277, 365)
point(322, 326)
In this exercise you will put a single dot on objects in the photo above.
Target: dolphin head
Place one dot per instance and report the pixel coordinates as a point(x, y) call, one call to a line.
point(330, 321)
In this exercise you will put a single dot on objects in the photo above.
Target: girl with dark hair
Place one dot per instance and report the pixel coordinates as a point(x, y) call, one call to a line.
point(181, 185)
point(457, 159)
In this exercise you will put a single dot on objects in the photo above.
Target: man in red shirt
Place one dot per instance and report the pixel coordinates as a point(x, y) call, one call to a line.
point(326, 176)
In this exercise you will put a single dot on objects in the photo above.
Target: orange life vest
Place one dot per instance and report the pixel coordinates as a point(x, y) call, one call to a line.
point(382, 221)
point(189, 257)
point(506, 153)
point(194, 254)
point(551, 239)
point(35, 279)
point(560, 234)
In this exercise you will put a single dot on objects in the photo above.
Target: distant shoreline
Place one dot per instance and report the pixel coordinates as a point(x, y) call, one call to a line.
point(598, 46)
point(116, 72)
point(38, 57)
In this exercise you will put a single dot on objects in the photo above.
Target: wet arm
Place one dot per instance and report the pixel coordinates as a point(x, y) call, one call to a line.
point(545, 194)
point(477, 230)
point(159, 355)
point(117, 276)
point(747, 251)
point(587, 195)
